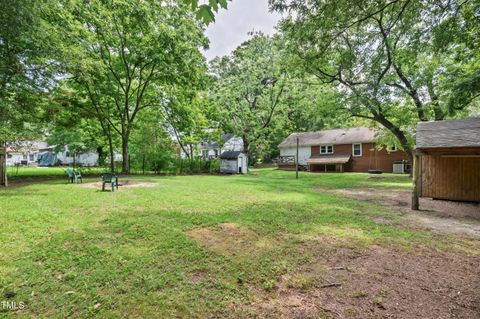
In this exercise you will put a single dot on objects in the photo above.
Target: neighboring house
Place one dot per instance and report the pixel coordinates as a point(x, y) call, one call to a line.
point(30, 152)
point(339, 150)
point(208, 150)
point(448, 160)
point(89, 158)
point(26, 152)
point(213, 149)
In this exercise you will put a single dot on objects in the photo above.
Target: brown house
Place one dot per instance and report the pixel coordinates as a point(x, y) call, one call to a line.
point(448, 158)
point(340, 150)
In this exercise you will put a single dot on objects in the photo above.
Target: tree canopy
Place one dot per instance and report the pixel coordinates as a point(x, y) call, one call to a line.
point(126, 55)
point(394, 62)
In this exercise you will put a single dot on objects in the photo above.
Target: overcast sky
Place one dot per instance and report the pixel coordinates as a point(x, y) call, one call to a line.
point(232, 25)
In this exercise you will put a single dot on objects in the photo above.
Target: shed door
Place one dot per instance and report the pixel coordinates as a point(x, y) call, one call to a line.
point(453, 178)
point(240, 164)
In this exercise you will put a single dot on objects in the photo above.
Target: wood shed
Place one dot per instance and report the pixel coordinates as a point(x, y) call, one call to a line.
point(447, 161)
point(233, 162)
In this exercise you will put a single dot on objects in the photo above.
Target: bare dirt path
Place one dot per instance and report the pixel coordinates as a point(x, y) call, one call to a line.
point(437, 215)
point(122, 184)
point(344, 280)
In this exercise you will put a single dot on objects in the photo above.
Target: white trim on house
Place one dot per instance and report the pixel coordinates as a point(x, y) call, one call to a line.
point(392, 149)
point(326, 149)
point(353, 150)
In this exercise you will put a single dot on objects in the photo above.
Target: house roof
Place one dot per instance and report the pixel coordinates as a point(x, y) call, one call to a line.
point(451, 133)
point(213, 144)
point(230, 154)
point(360, 134)
point(330, 159)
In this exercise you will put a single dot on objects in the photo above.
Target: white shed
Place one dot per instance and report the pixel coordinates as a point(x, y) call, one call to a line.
point(233, 162)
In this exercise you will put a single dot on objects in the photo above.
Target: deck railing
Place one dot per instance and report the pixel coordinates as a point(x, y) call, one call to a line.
point(286, 160)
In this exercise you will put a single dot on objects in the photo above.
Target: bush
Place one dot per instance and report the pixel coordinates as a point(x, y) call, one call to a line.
point(194, 166)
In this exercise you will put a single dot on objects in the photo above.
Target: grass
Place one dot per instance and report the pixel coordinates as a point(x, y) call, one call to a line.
point(31, 172)
point(72, 251)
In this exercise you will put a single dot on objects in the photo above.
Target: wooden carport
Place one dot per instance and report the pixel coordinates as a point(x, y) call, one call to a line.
point(447, 161)
point(328, 163)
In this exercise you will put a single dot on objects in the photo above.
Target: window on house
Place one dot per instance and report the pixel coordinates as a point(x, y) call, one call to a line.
point(216, 153)
point(31, 157)
point(357, 149)
point(9, 156)
point(392, 148)
point(24, 156)
point(326, 149)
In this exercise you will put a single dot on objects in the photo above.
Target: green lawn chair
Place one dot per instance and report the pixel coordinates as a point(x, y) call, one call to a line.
point(74, 176)
point(110, 179)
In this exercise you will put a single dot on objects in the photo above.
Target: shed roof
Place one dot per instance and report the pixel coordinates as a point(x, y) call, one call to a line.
point(230, 154)
point(360, 134)
point(451, 133)
point(330, 159)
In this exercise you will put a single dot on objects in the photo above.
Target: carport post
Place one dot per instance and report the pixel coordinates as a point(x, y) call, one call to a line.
point(416, 177)
point(296, 162)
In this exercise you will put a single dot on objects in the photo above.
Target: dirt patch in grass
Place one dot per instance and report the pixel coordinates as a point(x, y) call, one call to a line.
point(122, 184)
point(438, 215)
point(378, 282)
point(231, 239)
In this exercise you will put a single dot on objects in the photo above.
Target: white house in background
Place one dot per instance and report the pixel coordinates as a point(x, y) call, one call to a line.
point(26, 152)
point(89, 158)
point(209, 150)
point(29, 153)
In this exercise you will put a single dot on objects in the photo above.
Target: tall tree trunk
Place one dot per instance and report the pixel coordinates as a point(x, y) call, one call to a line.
point(437, 110)
point(3, 165)
point(112, 155)
point(246, 146)
point(125, 154)
point(399, 134)
point(108, 133)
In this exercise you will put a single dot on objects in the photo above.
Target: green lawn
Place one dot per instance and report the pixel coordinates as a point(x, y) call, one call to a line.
point(31, 172)
point(69, 250)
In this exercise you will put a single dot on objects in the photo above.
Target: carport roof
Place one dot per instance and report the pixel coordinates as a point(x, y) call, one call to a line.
point(448, 134)
point(330, 159)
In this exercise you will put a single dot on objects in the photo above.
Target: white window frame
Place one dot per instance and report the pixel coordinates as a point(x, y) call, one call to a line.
point(353, 149)
point(393, 149)
point(326, 149)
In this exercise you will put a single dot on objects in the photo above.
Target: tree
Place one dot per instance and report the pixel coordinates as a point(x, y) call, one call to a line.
point(249, 87)
point(126, 53)
point(26, 73)
point(206, 12)
point(66, 129)
point(185, 116)
point(393, 61)
point(152, 146)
